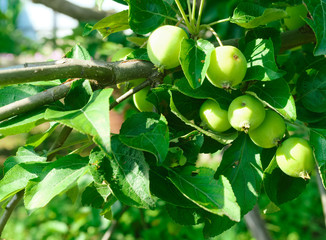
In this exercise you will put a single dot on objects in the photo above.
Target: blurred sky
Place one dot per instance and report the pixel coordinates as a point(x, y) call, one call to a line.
point(36, 20)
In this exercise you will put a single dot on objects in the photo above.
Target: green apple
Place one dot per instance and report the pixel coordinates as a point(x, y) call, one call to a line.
point(213, 116)
point(269, 133)
point(227, 68)
point(121, 54)
point(296, 14)
point(295, 157)
point(246, 112)
point(140, 101)
point(164, 44)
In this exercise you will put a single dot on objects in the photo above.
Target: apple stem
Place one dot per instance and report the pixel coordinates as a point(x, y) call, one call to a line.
point(193, 17)
point(202, 2)
point(190, 11)
point(215, 34)
point(220, 21)
point(184, 16)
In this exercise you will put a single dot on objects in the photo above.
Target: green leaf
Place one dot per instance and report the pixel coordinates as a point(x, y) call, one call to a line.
point(17, 92)
point(56, 178)
point(184, 216)
point(121, 1)
point(93, 119)
point(128, 175)
point(242, 166)
point(79, 93)
point(279, 187)
point(311, 87)
point(113, 23)
point(23, 154)
point(308, 116)
point(251, 15)
point(195, 59)
point(138, 41)
point(261, 61)
point(215, 225)
point(98, 165)
point(317, 22)
point(199, 186)
point(146, 131)
point(78, 52)
point(18, 176)
point(318, 140)
point(164, 189)
point(22, 123)
point(38, 139)
point(223, 138)
point(147, 15)
point(191, 145)
point(276, 95)
point(175, 158)
point(95, 195)
point(262, 33)
point(206, 91)
point(140, 54)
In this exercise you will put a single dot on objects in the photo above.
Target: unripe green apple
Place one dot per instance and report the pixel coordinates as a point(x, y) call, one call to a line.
point(296, 14)
point(164, 44)
point(269, 133)
point(121, 54)
point(295, 157)
point(227, 68)
point(140, 101)
point(246, 112)
point(213, 116)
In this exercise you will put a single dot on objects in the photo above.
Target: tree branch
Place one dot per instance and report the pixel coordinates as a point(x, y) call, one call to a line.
point(322, 193)
point(40, 99)
point(9, 208)
point(74, 11)
point(289, 39)
point(256, 224)
point(105, 73)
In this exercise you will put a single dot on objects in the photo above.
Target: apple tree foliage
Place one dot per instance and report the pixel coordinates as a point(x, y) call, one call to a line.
point(153, 158)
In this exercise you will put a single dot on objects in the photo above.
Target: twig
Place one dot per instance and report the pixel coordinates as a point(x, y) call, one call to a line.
point(40, 99)
point(129, 93)
point(9, 209)
point(60, 140)
point(154, 77)
point(114, 224)
point(256, 224)
point(105, 73)
point(322, 193)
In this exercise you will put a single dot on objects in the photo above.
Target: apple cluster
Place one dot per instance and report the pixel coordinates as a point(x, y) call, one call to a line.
point(227, 69)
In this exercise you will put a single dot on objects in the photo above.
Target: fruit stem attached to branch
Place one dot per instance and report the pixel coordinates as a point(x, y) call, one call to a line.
point(215, 34)
point(220, 21)
point(193, 10)
point(184, 16)
point(200, 12)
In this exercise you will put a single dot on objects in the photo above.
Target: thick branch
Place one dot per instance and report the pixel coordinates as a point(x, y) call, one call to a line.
point(105, 73)
point(298, 37)
point(289, 39)
point(74, 11)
